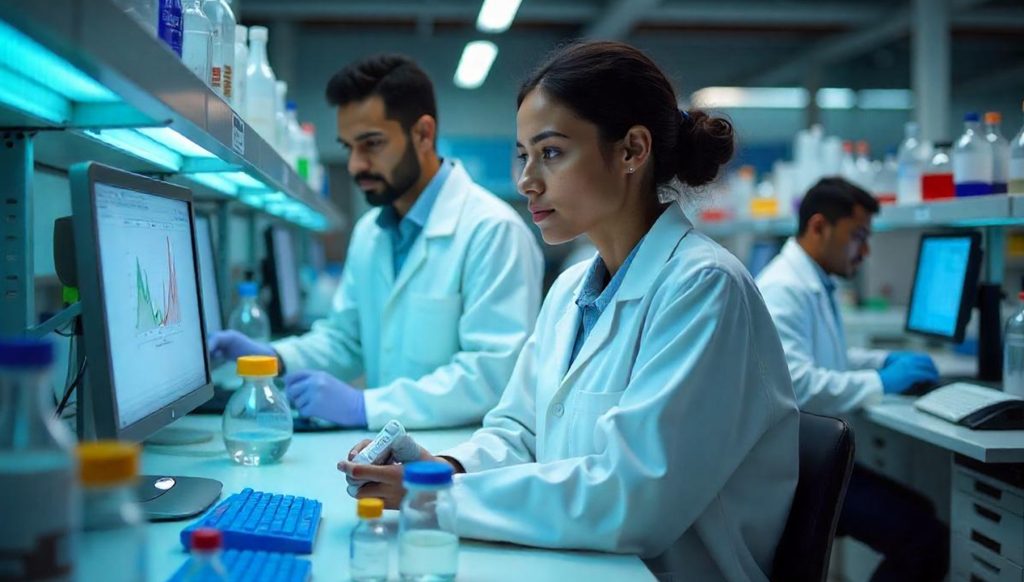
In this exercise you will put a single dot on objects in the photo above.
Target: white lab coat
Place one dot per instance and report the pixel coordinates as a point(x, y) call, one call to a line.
point(437, 344)
point(828, 378)
point(673, 435)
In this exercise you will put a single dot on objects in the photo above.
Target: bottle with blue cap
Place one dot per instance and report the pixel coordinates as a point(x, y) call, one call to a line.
point(428, 549)
point(972, 160)
point(40, 500)
point(249, 317)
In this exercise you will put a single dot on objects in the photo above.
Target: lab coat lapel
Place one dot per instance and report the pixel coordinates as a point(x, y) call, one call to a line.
point(384, 266)
point(442, 222)
point(655, 250)
point(804, 272)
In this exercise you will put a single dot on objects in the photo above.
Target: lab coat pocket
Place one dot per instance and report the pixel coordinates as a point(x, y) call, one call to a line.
point(587, 407)
point(432, 328)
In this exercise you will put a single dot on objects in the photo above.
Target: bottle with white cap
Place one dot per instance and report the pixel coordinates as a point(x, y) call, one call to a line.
point(39, 500)
point(198, 40)
point(222, 48)
point(241, 66)
point(972, 160)
point(261, 87)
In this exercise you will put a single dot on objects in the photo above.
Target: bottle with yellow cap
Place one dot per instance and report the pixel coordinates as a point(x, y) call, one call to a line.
point(39, 507)
point(368, 551)
point(113, 545)
point(257, 418)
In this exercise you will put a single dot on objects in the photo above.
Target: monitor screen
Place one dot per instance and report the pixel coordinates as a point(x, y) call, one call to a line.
point(150, 300)
point(208, 275)
point(286, 276)
point(944, 285)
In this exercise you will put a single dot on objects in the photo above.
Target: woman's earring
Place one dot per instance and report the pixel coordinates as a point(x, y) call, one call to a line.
point(631, 170)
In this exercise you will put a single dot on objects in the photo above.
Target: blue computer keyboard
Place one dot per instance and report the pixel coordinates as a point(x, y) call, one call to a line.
point(254, 520)
point(250, 566)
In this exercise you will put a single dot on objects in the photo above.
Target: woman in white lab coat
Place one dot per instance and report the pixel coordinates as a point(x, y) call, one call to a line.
point(651, 411)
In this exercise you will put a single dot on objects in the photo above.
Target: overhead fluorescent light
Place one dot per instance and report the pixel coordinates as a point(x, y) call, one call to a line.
point(28, 97)
point(216, 182)
point(134, 143)
point(244, 180)
point(497, 15)
point(752, 97)
point(176, 142)
point(835, 98)
point(31, 60)
point(476, 61)
point(885, 99)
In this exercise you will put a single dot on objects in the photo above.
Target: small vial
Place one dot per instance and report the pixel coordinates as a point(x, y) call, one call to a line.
point(206, 565)
point(369, 552)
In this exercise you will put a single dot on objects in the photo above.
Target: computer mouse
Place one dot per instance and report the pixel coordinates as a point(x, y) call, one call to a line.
point(921, 388)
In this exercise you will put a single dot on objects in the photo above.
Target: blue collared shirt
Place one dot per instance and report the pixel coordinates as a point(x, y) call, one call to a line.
point(404, 232)
point(830, 288)
point(595, 296)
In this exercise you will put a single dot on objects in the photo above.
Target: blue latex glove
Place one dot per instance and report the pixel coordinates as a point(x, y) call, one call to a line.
point(230, 345)
point(904, 369)
point(317, 393)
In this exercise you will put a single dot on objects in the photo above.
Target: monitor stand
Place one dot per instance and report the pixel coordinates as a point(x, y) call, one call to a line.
point(990, 345)
point(175, 436)
point(168, 498)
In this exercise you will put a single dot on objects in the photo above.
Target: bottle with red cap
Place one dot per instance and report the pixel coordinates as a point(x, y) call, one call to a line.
point(1013, 352)
point(206, 565)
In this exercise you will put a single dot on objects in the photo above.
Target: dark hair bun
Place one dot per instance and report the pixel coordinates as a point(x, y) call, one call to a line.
point(706, 143)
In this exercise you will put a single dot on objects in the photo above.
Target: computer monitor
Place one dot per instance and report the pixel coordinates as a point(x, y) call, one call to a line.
point(142, 317)
point(945, 285)
point(208, 275)
point(281, 274)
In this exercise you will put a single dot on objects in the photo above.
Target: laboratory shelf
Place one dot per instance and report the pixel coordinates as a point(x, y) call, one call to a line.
point(89, 83)
point(979, 211)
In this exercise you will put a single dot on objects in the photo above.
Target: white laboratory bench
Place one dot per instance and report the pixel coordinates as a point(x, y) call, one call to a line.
point(975, 478)
point(309, 469)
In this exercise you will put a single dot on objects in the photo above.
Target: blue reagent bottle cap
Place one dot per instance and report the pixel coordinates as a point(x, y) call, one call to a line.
point(972, 116)
point(23, 352)
point(248, 289)
point(428, 473)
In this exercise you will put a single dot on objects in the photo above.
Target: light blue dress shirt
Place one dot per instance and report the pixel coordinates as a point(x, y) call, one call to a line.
point(404, 232)
point(595, 296)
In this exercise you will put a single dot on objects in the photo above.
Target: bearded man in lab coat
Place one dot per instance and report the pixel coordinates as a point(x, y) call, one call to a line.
point(831, 379)
point(441, 285)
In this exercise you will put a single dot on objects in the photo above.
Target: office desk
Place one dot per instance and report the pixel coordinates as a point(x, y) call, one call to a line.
point(309, 469)
point(991, 446)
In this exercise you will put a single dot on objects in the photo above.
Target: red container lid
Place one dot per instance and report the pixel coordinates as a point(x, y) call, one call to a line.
point(206, 538)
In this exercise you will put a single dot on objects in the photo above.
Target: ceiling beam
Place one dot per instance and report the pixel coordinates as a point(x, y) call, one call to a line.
point(619, 19)
point(841, 47)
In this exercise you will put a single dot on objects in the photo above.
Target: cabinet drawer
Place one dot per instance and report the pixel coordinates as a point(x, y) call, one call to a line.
point(988, 525)
point(993, 491)
point(973, 563)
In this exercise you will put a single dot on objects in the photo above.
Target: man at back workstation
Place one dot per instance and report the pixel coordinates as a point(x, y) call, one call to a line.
point(441, 285)
point(831, 379)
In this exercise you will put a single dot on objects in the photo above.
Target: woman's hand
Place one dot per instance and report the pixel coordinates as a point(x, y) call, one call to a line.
point(384, 481)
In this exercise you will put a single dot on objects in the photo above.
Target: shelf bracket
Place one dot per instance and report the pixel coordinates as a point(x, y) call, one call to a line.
point(17, 278)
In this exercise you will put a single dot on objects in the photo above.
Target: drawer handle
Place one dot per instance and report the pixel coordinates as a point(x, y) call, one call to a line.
point(986, 489)
point(987, 513)
point(984, 564)
point(987, 542)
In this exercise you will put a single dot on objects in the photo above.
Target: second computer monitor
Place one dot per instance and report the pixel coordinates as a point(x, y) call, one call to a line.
point(281, 273)
point(208, 275)
point(945, 285)
point(141, 309)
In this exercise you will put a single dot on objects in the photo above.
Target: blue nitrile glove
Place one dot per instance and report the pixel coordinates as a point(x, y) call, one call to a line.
point(230, 345)
point(404, 450)
point(904, 369)
point(317, 393)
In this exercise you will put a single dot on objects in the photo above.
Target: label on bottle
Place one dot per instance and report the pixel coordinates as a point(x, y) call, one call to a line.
point(237, 134)
point(39, 508)
point(971, 167)
point(1016, 168)
point(170, 25)
point(215, 77)
point(226, 84)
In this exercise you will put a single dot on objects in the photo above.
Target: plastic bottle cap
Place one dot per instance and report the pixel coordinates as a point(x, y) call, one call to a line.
point(972, 116)
point(428, 473)
point(1020, 296)
point(248, 289)
point(107, 462)
point(370, 508)
point(257, 366)
point(206, 538)
point(258, 33)
point(993, 117)
point(23, 352)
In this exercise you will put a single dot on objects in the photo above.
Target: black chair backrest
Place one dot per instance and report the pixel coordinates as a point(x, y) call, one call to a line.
point(826, 461)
